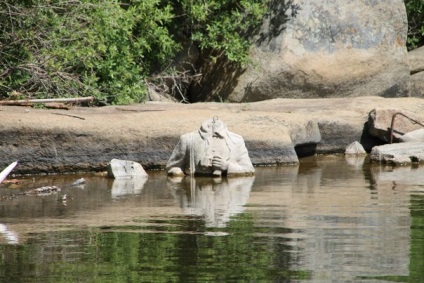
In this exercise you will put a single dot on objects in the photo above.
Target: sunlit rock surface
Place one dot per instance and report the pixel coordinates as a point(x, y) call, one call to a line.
point(416, 63)
point(399, 153)
point(316, 49)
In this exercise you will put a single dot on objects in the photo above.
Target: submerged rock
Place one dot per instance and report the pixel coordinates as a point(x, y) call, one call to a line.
point(399, 153)
point(46, 190)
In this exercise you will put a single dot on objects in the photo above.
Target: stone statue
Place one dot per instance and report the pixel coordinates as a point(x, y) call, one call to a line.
point(211, 151)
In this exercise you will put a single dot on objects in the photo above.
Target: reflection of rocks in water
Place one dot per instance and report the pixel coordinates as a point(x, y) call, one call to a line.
point(328, 215)
point(307, 180)
point(217, 200)
point(123, 187)
point(11, 237)
point(399, 174)
point(356, 161)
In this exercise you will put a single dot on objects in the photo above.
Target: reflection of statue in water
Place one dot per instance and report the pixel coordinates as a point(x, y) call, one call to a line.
point(217, 200)
point(212, 150)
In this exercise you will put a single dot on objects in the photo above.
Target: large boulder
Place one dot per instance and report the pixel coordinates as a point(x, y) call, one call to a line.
point(416, 63)
point(318, 48)
point(416, 60)
point(417, 84)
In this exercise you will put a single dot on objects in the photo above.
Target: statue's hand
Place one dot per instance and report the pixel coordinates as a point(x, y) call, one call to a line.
point(175, 171)
point(219, 164)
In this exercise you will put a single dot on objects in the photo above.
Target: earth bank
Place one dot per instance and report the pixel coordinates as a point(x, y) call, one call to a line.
point(276, 132)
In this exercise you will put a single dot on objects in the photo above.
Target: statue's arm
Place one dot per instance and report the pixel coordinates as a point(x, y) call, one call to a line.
point(177, 163)
point(241, 164)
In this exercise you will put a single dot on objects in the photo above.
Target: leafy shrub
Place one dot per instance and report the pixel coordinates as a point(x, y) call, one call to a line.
point(415, 12)
point(220, 25)
point(69, 48)
point(108, 48)
point(114, 50)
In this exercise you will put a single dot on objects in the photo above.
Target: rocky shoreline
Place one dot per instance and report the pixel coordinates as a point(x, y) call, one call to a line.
point(276, 132)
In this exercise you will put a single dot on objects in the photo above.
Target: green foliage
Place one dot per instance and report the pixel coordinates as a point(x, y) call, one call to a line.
point(112, 49)
point(220, 26)
point(82, 48)
point(108, 49)
point(415, 12)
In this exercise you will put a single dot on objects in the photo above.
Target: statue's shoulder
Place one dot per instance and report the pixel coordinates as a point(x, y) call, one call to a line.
point(188, 136)
point(235, 137)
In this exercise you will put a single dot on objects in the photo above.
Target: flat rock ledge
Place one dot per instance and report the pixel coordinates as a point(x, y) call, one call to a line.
point(398, 153)
point(276, 132)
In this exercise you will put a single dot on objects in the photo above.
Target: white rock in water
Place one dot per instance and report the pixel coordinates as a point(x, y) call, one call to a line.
point(79, 182)
point(355, 148)
point(125, 169)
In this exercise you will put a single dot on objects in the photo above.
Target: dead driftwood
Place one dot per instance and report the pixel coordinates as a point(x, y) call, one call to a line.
point(7, 170)
point(26, 102)
point(73, 116)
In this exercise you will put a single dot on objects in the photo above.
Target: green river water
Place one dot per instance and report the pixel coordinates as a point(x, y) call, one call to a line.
point(330, 219)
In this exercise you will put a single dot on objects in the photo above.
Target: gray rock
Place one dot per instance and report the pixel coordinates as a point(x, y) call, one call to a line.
point(380, 123)
point(416, 60)
point(416, 63)
point(417, 85)
point(355, 148)
point(318, 48)
point(398, 153)
point(125, 169)
point(399, 160)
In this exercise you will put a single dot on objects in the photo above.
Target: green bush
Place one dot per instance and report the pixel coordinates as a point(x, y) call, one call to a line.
point(220, 26)
point(108, 48)
point(415, 12)
point(81, 48)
